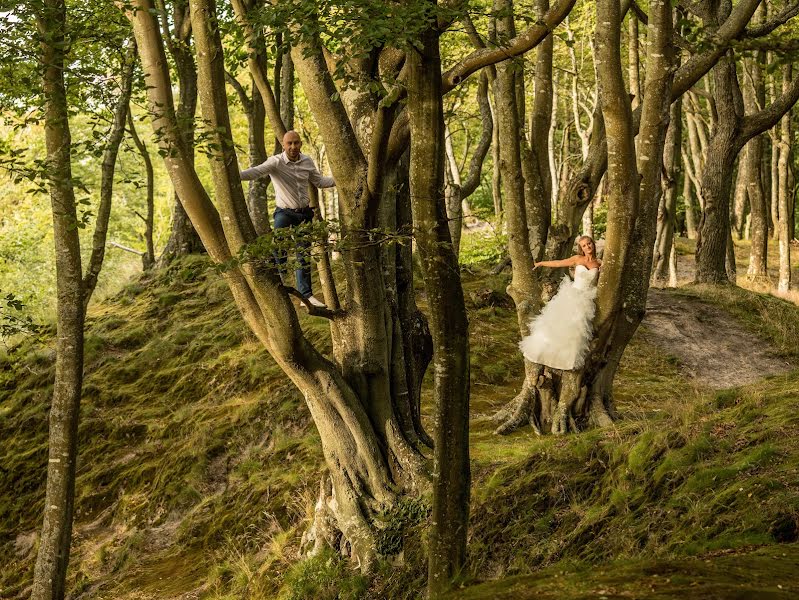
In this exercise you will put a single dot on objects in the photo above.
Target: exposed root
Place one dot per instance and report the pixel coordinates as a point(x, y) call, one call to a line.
point(519, 412)
point(570, 392)
point(324, 530)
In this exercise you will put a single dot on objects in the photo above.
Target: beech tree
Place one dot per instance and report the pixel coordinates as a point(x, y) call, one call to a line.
point(176, 27)
point(562, 401)
point(53, 555)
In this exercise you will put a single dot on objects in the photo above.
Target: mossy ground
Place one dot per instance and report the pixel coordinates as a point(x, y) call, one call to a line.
point(199, 464)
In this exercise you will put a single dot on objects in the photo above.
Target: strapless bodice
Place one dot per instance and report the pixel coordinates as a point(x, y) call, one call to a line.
point(584, 277)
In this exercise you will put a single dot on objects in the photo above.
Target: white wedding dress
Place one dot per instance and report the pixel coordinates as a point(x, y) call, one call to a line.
point(560, 334)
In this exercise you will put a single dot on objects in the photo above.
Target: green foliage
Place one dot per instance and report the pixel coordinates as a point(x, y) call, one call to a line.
point(13, 319)
point(486, 250)
point(199, 462)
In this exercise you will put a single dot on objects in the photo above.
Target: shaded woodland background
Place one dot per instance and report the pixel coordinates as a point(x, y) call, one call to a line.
point(200, 469)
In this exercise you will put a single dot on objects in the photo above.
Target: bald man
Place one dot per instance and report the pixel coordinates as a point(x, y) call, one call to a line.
point(291, 171)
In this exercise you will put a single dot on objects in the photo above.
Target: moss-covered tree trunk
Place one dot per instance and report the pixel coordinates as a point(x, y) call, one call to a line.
point(54, 542)
point(448, 322)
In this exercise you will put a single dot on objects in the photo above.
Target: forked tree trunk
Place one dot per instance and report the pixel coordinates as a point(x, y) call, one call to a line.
point(458, 190)
point(54, 543)
point(371, 461)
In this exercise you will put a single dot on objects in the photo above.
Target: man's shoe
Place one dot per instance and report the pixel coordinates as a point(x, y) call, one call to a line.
point(312, 300)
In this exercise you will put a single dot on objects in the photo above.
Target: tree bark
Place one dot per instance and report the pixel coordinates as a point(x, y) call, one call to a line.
point(664, 273)
point(148, 258)
point(785, 190)
point(183, 239)
point(54, 544)
point(448, 324)
point(107, 170)
point(754, 100)
point(740, 203)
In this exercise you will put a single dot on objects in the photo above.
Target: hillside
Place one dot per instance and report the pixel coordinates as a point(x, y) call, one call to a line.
point(199, 463)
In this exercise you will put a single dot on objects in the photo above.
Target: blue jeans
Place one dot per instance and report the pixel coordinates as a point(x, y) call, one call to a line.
point(287, 217)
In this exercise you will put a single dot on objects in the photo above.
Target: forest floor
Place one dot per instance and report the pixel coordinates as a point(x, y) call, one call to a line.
point(711, 345)
point(199, 463)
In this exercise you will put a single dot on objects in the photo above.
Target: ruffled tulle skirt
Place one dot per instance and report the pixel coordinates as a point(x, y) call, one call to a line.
point(561, 333)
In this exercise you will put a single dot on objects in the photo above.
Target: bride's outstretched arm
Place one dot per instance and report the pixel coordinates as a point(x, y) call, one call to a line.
point(566, 262)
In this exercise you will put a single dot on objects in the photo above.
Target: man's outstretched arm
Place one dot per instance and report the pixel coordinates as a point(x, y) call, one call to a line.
point(265, 168)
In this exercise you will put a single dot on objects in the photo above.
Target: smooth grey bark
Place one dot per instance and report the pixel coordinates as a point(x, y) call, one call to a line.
point(52, 558)
point(754, 99)
point(740, 204)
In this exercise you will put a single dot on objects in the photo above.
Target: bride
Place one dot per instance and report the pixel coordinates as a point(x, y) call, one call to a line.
point(560, 334)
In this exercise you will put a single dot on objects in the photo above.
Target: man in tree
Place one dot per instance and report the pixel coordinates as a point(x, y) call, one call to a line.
point(291, 171)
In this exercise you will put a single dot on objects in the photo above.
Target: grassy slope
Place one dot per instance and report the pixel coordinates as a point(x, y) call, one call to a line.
point(199, 462)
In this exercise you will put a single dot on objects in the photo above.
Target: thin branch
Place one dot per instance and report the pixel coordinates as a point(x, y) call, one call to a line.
point(242, 93)
point(125, 248)
point(788, 13)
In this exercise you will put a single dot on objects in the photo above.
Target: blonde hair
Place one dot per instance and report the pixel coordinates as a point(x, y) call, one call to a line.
point(580, 239)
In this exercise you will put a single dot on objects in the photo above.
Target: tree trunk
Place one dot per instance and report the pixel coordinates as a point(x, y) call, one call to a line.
point(183, 239)
point(107, 177)
point(54, 544)
point(351, 397)
point(633, 61)
point(148, 258)
point(632, 200)
point(740, 203)
point(690, 218)
point(754, 100)
point(257, 201)
point(448, 325)
point(785, 190)
point(712, 240)
point(664, 272)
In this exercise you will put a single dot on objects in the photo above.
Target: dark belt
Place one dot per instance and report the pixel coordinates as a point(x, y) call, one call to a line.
point(299, 211)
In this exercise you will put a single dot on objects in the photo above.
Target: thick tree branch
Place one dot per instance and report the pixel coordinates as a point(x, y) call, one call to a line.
point(246, 103)
point(767, 118)
point(515, 47)
point(698, 65)
point(258, 70)
point(472, 180)
point(787, 13)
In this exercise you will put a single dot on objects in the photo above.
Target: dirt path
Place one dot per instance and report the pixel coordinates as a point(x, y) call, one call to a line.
point(711, 345)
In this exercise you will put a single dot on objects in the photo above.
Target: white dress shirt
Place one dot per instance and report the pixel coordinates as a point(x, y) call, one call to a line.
point(290, 178)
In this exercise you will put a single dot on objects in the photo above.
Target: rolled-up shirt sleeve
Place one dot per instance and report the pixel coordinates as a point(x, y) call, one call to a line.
point(265, 168)
point(316, 178)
